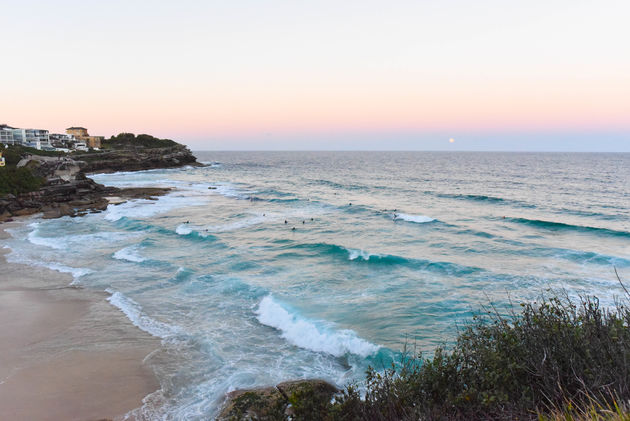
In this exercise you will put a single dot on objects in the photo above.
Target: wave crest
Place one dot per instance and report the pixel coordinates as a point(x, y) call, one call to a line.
point(131, 254)
point(552, 225)
point(134, 312)
point(418, 219)
point(308, 335)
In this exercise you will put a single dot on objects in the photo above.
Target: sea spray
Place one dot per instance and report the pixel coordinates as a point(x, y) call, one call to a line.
point(354, 254)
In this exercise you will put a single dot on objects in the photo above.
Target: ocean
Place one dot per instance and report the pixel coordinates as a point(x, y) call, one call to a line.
point(270, 266)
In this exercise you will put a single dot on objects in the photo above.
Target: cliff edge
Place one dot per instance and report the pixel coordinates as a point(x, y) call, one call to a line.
point(56, 184)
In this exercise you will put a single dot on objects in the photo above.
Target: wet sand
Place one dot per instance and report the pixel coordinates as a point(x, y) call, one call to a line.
point(65, 352)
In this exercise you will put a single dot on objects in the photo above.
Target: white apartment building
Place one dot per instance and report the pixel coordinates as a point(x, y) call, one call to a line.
point(6, 136)
point(34, 138)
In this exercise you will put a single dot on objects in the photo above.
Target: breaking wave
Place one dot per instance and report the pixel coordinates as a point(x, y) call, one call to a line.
point(312, 335)
point(134, 312)
point(131, 254)
point(418, 219)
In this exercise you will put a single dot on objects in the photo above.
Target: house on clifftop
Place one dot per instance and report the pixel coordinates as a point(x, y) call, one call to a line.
point(81, 133)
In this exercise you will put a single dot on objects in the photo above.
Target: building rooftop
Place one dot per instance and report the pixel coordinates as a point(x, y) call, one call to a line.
point(75, 128)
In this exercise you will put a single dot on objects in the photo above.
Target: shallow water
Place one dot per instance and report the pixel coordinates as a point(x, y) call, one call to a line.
point(388, 248)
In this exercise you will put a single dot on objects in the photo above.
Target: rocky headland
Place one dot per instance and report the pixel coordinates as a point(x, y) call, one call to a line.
point(137, 159)
point(65, 189)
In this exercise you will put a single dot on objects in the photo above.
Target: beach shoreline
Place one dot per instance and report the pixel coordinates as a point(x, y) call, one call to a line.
point(65, 352)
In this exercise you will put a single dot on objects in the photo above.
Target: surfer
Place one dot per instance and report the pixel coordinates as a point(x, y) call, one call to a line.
point(293, 229)
point(285, 221)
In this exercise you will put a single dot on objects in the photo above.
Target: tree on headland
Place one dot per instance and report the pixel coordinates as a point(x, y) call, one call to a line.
point(130, 140)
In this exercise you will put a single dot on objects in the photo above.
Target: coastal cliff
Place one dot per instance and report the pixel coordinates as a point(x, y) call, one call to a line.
point(75, 197)
point(136, 159)
point(58, 185)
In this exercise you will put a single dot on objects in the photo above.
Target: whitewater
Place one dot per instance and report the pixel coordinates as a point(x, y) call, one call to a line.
point(263, 267)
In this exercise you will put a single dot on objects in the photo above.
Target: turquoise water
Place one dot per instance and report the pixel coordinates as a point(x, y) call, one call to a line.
point(388, 248)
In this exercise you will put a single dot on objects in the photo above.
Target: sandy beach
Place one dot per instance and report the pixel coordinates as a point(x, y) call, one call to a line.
point(65, 352)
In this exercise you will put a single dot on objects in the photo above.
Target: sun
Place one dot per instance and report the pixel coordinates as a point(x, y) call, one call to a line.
point(451, 140)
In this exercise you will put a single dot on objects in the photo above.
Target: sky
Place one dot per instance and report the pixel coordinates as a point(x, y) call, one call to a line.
point(324, 75)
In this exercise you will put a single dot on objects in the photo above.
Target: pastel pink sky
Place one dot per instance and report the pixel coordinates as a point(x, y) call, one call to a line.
point(212, 73)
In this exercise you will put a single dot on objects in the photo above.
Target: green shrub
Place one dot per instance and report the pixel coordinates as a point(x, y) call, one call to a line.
point(515, 367)
point(18, 180)
point(14, 153)
point(129, 140)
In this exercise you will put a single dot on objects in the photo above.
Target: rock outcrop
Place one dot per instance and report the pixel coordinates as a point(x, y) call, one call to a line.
point(68, 191)
point(136, 159)
point(283, 401)
point(73, 198)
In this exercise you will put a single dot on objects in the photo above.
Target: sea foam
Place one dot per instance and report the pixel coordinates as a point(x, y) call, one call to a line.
point(134, 312)
point(236, 225)
point(34, 238)
point(131, 254)
point(418, 219)
point(228, 190)
point(143, 208)
point(354, 254)
point(15, 257)
point(310, 334)
point(183, 229)
point(65, 242)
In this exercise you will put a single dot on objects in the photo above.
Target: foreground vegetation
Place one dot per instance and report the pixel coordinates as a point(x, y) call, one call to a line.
point(552, 360)
point(18, 180)
point(554, 355)
point(15, 180)
point(14, 153)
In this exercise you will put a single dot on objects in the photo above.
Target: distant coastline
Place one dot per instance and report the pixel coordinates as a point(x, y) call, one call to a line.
point(58, 184)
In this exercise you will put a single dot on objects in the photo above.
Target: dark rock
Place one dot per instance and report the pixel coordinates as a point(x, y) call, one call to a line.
point(142, 192)
point(288, 399)
point(58, 211)
point(68, 191)
point(25, 211)
point(254, 404)
point(137, 159)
